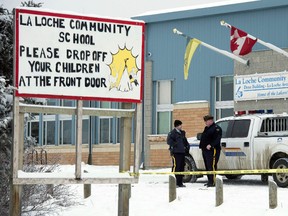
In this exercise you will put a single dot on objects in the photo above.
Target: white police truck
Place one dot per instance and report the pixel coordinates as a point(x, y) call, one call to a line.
point(249, 142)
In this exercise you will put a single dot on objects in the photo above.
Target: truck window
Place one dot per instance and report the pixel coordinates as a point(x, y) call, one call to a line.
point(274, 124)
point(224, 127)
point(240, 128)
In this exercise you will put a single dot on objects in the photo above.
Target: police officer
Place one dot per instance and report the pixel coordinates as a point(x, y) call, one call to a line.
point(210, 145)
point(178, 146)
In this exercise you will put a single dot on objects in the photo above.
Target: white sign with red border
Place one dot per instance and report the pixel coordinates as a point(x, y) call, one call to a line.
point(71, 56)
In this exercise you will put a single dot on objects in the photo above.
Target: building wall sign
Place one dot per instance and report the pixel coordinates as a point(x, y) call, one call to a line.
point(78, 57)
point(261, 86)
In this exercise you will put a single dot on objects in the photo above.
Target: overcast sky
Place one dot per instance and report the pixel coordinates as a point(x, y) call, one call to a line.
point(112, 8)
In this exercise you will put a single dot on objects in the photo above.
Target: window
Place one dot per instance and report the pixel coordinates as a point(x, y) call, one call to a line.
point(240, 128)
point(105, 125)
point(61, 129)
point(34, 130)
point(224, 127)
point(223, 95)
point(51, 102)
point(49, 138)
point(274, 124)
point(164, 122)
point(235, 128)
point(85, 131)
point(69, 103)
point(105, 130)
point(66, 130)
point(164, 106)
point(86, 103)
point(224, 88)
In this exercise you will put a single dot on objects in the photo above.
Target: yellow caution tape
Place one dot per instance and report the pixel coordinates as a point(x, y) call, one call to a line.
point(220, 172)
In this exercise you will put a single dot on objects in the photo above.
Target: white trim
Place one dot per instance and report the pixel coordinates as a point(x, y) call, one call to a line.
point(164, 107)
point(224, 104)
point(220, 105)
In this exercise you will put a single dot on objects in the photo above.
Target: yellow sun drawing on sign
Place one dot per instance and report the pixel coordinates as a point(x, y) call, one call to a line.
point(123, 70)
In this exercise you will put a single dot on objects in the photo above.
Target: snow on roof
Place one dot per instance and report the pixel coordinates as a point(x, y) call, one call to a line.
point(189, 102)
point(194, 7)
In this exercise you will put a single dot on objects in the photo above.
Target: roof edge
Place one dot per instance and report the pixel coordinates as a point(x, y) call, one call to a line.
point(208, 11)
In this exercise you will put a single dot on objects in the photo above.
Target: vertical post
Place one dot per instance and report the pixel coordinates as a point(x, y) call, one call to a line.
point(15, 193)
point(21, 141)
point(147, 112)
point(79, 139)
point(90, 139)
point(89, 161)
point(137, 144)
point(272, 194)
point(15, 190)
point(50, 187)
point(172, 188)
point(219, 191)
point(87, 188)
point(124, 190)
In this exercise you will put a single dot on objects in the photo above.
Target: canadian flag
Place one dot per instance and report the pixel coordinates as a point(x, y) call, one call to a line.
point(240, 42)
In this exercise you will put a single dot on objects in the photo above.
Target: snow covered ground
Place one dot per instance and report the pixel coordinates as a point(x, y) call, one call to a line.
point(247, 196)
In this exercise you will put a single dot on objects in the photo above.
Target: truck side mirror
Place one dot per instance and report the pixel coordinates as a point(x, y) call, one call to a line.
point(198, 136)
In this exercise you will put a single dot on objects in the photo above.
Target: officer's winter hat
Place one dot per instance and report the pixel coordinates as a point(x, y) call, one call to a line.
point(208, 117)
point(177, 123)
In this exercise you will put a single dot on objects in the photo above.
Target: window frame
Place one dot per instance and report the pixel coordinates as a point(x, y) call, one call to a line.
point(164, 107)
point(231, 126)
point(234, 126)
point(219, 104)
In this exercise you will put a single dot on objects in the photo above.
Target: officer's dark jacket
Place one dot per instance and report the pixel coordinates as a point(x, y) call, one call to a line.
point(211, 135)
point(177, 141)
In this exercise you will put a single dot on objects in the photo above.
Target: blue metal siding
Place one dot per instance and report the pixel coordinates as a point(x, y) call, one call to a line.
point(269, 24)
point(168, 55)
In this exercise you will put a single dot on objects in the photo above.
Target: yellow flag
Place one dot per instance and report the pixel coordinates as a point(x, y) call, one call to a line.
point(190, 49)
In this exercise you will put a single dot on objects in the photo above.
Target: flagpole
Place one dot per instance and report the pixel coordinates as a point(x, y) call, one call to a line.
point(223, 52)
point(269, 45)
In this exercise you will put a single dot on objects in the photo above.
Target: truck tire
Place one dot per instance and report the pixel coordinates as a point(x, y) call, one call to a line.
point(190, 165)
point(281, 179)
